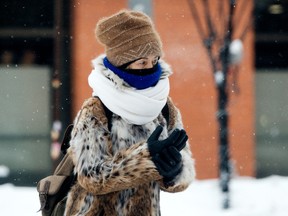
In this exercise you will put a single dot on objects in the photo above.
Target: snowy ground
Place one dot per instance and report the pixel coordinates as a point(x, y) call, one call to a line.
point(249, 197)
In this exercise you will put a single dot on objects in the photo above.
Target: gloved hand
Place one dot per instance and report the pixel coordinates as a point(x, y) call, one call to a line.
point(166, 153)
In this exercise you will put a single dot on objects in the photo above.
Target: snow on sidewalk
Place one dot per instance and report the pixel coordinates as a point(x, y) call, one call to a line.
point(249, 197)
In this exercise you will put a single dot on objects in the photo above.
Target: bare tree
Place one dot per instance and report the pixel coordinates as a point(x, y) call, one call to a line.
point(224, 49)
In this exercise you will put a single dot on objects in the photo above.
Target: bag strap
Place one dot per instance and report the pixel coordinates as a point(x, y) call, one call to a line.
point(65, 166)
point(108, 114)
point(67, 137)
point(165, 113)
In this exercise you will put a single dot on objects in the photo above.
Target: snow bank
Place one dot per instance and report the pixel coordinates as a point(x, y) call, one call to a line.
point(249, 197)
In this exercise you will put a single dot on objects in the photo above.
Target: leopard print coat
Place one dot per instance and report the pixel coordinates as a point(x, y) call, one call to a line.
point(115, 173)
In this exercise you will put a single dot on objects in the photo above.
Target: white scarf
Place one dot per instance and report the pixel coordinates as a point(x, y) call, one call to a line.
point(135, 106)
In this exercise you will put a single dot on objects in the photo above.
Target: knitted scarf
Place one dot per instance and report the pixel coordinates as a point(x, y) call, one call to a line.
point(135, 106)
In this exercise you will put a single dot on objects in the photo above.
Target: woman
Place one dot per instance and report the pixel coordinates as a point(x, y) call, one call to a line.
point(122, 163)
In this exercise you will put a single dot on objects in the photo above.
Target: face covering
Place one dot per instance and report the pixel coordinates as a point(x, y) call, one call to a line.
point(137, 78)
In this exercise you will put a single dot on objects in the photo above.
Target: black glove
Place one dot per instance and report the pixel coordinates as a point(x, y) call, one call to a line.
point(166, 153)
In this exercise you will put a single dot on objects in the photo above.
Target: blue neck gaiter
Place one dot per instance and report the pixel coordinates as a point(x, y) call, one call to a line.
point(138, 81)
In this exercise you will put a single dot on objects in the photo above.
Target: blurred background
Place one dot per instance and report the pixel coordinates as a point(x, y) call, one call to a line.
point(46, 48)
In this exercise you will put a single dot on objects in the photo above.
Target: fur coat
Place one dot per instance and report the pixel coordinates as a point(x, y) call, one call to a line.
point(115, 173)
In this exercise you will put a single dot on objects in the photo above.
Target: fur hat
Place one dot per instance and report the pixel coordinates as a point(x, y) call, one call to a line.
point(128, 36)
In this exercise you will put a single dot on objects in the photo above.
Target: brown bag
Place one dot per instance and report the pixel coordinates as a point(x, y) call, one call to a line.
point(53, 189)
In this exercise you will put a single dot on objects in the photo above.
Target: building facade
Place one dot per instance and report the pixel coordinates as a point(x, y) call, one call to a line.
point(46, 59)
